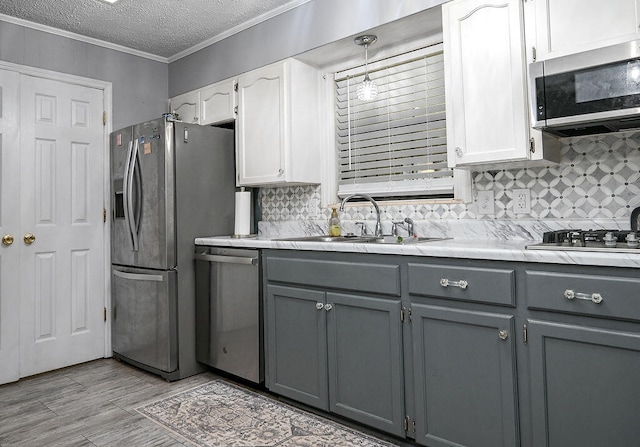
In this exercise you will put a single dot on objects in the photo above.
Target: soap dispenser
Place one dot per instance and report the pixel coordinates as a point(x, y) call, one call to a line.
point(334, 223)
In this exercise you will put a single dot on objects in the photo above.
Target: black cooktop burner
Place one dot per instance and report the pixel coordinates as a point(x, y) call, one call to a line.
point(589, 240)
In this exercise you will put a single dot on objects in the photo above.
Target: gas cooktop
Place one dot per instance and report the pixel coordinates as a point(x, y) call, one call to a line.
point(613, 241)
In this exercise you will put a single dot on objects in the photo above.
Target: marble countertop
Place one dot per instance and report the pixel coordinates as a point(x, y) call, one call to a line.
point(489, 249)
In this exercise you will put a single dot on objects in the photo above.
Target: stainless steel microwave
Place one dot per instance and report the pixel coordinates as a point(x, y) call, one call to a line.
point(593, 92)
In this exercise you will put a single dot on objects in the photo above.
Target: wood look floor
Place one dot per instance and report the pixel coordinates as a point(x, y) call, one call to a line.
point(94, 404)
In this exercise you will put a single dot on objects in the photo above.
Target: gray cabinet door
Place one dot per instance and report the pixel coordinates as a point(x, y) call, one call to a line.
point(585, 386)
point(465, 378)
point(365, 360)
point(297, 345)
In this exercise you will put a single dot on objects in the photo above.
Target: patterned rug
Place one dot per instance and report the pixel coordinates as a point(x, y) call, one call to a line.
point(222, 414)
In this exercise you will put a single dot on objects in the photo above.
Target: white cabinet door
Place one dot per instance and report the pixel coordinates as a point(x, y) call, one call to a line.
point(218, 102)
point(9, 226)
point(570, 26)
point(485, 82)
point(261, 126)
point(277, 126)
point(187, 106)
point(61, 194)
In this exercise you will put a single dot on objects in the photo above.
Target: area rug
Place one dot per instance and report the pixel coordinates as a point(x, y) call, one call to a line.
point(222, 414)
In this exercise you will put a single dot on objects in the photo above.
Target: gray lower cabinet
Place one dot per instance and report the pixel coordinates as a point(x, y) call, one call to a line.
point(585, 385)
point(464, 377)
point(584, 356)
point(297, 345)
point(337, 352)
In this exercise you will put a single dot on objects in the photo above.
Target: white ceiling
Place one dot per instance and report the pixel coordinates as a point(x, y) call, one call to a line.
point(161, 28)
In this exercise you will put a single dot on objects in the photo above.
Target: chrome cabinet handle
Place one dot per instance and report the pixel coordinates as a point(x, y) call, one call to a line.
point(503, 334)
point(595, 297)
point(319, 306)
point(328, 307)
point(444, 282)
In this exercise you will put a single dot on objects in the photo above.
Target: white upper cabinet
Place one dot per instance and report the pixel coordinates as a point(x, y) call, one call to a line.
point(485, 84)
point(187, 107)
point(570, 26)
point(218, 102)
point(277, 125)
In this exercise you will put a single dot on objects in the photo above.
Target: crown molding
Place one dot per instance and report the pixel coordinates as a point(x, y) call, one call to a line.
point(112, 46)
point(81, 38)
point(243, 26)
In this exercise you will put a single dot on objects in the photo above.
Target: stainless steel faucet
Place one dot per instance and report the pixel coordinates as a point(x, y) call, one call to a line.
point(378, 230)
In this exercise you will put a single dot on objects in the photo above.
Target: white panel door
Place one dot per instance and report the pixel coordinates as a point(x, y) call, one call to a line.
point(61, 200)
point(9, 223)
point(261, 127)
point(485, 82)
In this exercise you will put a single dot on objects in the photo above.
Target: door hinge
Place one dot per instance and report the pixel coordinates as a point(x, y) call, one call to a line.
point(532, 145)
point(405, 315)
point(104, 118)
point(409, 424)
point(104, 215)
point(104, 314)
point(524, 333)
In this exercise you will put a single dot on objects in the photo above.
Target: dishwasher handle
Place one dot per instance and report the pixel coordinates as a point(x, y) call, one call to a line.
point(226, 259)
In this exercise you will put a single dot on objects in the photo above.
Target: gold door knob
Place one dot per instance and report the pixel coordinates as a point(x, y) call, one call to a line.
point(29, 238)
point(7, 239)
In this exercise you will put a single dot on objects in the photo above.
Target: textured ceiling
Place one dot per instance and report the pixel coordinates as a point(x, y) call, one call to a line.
point(158, 27)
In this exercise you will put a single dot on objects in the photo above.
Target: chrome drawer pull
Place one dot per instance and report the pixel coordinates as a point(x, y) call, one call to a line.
point(595, 297)
point(444, 282)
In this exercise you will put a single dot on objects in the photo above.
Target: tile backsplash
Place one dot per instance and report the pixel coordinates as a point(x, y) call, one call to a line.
point(598, 177)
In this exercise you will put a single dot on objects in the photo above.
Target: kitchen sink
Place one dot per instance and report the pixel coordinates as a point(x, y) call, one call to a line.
point(388, 240)
point(326, 239)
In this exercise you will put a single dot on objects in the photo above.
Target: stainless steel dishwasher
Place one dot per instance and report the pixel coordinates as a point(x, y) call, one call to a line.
point(229, 311)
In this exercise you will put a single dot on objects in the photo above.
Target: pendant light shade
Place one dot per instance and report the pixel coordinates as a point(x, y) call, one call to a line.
point(367, 89)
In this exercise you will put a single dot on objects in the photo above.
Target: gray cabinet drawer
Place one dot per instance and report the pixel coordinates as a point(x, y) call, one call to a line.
point(602, 296)
point(483, 285)
point(357, 276)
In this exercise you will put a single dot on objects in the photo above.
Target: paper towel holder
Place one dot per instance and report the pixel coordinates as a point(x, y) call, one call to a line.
point(243, 226)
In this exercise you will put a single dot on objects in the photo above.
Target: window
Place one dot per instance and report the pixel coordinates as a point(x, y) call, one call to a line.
point(395, 145)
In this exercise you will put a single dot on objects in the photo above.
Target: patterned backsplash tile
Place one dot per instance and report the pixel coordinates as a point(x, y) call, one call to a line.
point(598, 178)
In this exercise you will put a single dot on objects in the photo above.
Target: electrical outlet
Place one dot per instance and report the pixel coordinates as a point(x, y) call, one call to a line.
point(521, 201)
point(486, 202)
point(312, 207)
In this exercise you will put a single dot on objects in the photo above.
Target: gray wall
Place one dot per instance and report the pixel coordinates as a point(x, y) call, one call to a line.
point(140, 85)
point(304, 28)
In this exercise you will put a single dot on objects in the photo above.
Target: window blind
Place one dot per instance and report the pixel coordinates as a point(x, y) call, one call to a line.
point(394, 145)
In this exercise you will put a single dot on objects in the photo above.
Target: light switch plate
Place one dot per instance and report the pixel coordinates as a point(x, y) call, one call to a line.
point(486, 202)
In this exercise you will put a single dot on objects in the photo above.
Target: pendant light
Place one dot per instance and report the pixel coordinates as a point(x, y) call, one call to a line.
point(367, 90)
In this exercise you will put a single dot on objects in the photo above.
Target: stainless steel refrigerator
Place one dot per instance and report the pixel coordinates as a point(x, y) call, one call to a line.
point(170, 182)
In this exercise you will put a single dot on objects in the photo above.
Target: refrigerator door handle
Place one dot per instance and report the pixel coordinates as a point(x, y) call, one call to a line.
point(137, 276)
point(126, 198)
point(131, 218)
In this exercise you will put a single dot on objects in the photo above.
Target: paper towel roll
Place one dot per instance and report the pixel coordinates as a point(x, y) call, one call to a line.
point(243, 213)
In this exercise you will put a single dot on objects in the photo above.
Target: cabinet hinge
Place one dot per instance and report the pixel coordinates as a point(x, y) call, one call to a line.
point(524, 333)
point(104, 314)
point(532, 145)
point(104, 215)
point(409, 424)
point(235, 110)
point(104, 118)
point(405, 315)
point(235, 86)
point(534, 54)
